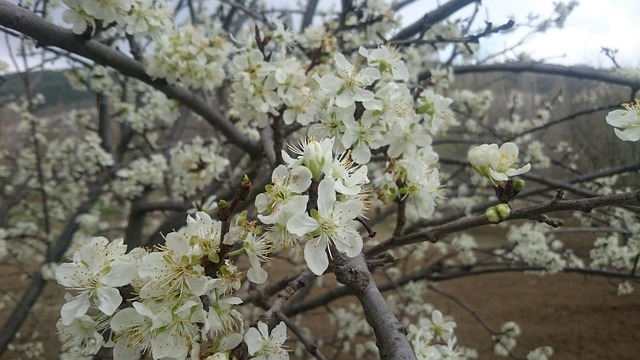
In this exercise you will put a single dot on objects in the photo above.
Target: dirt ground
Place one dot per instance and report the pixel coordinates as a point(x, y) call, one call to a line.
point(580, 317)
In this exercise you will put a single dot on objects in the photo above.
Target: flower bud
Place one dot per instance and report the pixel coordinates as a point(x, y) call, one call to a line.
point(519, 185)
point(479, 157)
point(492, 215)
point(503, 210)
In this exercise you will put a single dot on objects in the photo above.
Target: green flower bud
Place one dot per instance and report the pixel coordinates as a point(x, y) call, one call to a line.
point(519, 185)
point(492, 215)
point(504, 210)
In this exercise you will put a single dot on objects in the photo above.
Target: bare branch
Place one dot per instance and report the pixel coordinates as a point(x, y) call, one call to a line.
point(294, 285)
point(471, 39)
point(530, 212)
point(584, 73)
point(611, 54)
point(431, 18)
point(310, 345)
point(309, 12)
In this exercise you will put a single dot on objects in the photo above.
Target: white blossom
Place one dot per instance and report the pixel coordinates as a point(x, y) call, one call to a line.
point(331, 224)
point(626, 122)
point(265, 346)
point(98, 268)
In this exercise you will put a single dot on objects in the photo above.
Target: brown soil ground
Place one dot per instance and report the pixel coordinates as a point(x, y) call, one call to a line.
point(580, 317)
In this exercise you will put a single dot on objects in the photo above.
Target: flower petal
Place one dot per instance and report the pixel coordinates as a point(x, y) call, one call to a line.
point(301, 224)
point(315, 255)
point(108, 299)
point(349, 242)
point(75, 308)
point(253, 340)
point(326, 197)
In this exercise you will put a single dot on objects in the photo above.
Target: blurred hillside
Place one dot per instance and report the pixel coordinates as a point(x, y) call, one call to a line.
point(51, 83)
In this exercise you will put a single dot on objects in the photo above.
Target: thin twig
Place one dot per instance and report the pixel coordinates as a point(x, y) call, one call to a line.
point(309, 344)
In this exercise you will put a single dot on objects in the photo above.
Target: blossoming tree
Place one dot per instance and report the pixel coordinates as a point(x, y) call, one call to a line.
point(226, 149)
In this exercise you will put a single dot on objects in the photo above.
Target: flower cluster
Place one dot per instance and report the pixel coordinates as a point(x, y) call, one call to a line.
point(195, 165)
point(153, 111)
point(364, 102)
point(533, 245)
point(465, 246)
point(610, 251)
point(140, 174)
point(135, 17)
point(262, 87)
point(190, 56)
point(390, 118)
point(181, 294)
point(506, 340)
point(434, 338)
point(328, 222)
point(97, 270)
point(414, 180)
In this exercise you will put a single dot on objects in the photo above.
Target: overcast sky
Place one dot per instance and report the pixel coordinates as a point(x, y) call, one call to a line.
point(593, 24)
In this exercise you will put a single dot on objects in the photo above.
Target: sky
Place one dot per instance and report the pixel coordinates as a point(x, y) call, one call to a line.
point(592, 25)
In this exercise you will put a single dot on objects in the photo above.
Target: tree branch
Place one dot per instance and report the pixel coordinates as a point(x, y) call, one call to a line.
point(431, 18)
point(529, 212)
point(309, 12)
point(391, 336)
point(470, 39)
point(584, 73)
point(436, 275)
point(283, 295)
